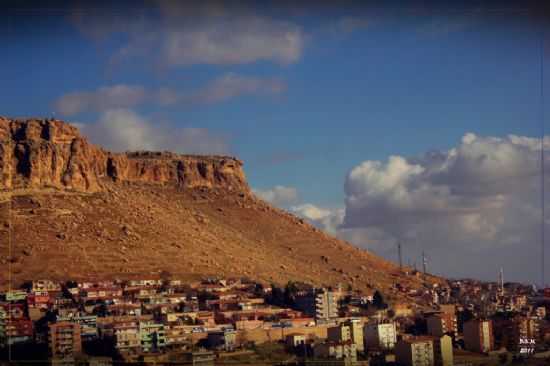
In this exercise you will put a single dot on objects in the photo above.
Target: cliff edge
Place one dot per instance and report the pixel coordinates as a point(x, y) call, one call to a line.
point(50, 153)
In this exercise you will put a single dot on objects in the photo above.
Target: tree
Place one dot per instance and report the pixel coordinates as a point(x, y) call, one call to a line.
point(378, 301)
point(289, 295)
point(276, 296)
point(101, 309)
point(462, 317)
point(259, 290)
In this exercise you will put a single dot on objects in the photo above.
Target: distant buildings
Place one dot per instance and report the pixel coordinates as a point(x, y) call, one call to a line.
point(478, 335)
point(153, 320)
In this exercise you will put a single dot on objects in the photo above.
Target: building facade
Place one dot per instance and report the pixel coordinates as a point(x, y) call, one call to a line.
point(478, 335)
point(380, 336)
point(443, 351)
point(441, 324)
point(322, 304)
point(418, 351)
point(64, 339)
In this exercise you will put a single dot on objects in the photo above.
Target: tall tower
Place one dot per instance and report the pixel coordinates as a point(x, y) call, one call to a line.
point(501, 282)
point(399, 250)
point(424, 262)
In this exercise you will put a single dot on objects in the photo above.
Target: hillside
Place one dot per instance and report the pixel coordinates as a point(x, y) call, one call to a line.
point(69, 209)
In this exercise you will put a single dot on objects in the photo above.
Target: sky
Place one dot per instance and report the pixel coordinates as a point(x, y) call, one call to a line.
point(414, 125)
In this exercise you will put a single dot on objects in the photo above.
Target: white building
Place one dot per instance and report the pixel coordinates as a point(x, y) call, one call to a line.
point(380, 336)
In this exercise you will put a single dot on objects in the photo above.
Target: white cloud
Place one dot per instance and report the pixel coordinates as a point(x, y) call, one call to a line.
point(122, 129)
point(279, 195)
point(472, 208)
point(120, 95)
point(234, 40)
point(326, 219)
point(225, 87)
point(481, 197)
point(179, 38)
point(229, 85)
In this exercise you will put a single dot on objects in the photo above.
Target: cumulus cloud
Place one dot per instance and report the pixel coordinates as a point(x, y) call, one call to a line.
point(327, 219)
point(477, 205)
point(472, 208)
point(179, 39)
point(225, 87)
point(279, 195)
point(122, 129)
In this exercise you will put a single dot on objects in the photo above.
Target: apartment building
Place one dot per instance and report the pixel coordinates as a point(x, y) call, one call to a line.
point(381, 336)
point(417, 351)
point(478, 335)
point(64, 339)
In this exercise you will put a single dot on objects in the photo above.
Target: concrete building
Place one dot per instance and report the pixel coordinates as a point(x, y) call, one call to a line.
point(322, 304)
point(351, 330)
point(443, 351)
point(19, 331)
point(441, 324)
point(380, 336)
point(356, 334)
point(127, 338)
point(64, 340)
point(87, 323)
point(418, 351)
point(478, 335)
point(152, 337)
point(339, 333)
point(225, 340)
point(336, 351)
point(517, 328)
point(295, 340)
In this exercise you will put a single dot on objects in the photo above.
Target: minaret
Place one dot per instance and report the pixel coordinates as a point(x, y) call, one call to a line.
point(501, 282)
point(424, 262)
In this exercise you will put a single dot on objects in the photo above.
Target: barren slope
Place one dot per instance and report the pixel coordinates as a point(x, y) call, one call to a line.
point(126, 227)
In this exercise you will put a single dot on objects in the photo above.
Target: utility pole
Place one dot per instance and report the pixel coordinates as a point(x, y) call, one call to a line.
point(424, 262)
point(400, 262)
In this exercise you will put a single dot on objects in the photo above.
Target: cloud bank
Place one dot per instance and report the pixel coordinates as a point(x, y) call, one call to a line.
point(225, 87)
point(181, 38)
point(472, 208)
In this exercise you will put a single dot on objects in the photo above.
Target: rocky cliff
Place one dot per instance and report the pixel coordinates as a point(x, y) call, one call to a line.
point(50, 153)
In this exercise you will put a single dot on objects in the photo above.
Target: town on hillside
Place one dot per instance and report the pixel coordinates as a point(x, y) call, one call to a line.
point(161, 320)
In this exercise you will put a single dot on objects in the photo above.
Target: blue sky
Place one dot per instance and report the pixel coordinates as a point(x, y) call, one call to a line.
point(302, 112)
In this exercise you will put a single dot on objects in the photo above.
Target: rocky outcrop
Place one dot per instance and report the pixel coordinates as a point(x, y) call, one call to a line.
point(51, 153)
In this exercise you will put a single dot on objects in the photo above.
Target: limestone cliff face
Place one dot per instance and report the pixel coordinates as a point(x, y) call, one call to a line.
point(51, 153)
